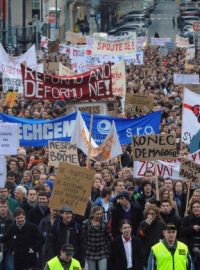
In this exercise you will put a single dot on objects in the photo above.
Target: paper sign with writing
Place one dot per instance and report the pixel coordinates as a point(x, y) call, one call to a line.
point(154, 147)
point(135, 103)
point(9, 138)
point(95, 84)
point(3, 171)
point(62, 152)
point(125, 45)
point(182, 42)
point(119, 79)
point(190, 170)
point(72, 187)
point(186, 78)
point(159, 41)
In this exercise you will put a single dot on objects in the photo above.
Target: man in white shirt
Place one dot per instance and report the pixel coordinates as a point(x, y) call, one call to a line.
point(126, 251)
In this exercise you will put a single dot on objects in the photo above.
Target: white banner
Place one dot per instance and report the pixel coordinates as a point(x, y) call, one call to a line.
point(122, 45)
point(84, 64)
point(166, 169)
point(186, 78)
point(9, 138)
point(159, 41)
point(119, 79)
point(3, 171)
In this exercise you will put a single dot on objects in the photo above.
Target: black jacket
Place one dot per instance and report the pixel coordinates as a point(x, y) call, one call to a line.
point(173, 219)
point(118, 214)
point(20, 241)
point(35, 215)
point(118, 256)
point(5, 222)
point(71, 233)
point(26, 206)
point(150, 235)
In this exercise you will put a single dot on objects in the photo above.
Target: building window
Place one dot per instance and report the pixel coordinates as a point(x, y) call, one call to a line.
point(35, 4)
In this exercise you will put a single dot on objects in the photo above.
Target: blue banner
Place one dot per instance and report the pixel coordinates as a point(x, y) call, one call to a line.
point(34, 132)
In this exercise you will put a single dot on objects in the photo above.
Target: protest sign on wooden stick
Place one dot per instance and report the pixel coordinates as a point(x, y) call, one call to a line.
point(72, 187)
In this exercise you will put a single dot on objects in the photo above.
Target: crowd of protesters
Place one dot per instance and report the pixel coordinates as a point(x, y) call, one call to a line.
point(120, 207)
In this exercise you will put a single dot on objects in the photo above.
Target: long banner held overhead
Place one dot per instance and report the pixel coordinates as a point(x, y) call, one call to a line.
point(38, 132)
point(119, 45)
point(92, 85)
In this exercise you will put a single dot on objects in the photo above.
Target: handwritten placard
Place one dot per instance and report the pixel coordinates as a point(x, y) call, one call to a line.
point(190, 170)
point(138, 103)
point(154, 147)
point(72, 187)
point(62, 152)
point(9, 138)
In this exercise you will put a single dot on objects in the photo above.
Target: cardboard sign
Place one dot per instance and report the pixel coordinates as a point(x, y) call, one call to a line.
point(65, 71)
point(92, 85)
point(72, 187)
point(62, 152)
point(9, 138)
point(75, 38)
point(135, 103)
point(154, 147)
point(193, 87)
point(190, 170)
point(3, 171)
point(10, 99)
point(52, 67)
point(120, 46)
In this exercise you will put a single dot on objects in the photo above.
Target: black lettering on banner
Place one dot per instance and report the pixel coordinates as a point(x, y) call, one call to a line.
point(190, 170)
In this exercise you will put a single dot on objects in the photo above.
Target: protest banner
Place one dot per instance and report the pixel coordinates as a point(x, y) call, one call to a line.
point(122, 45)
point(186, 78)
point(36, 132)
point(119, 79)
point(10, 81)
point(182, 42)
point(138, 103)
point(10, 99)
point(75, 38)
point(92, 85)
point(3, 171)
point(166, 168)
point(9, 138)
point(65, 71)
point(190, 119)
point(159, 41)
point(72, 187)
point(53, 46)
point(62, 152)
point(11, 65)
point(190, 170)
point(154, 147)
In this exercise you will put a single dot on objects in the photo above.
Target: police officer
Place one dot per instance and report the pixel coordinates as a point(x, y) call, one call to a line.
point(64, 261)
point(170, 254)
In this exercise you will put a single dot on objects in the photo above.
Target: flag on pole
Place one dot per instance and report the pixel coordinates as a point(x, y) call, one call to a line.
point(191, 120)
point(109, 149)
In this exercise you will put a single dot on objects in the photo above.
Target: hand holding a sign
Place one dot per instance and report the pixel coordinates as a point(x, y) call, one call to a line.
point(196, 227)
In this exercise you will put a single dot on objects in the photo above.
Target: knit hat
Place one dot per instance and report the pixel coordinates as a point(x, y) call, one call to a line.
point(49, 183)
point(123, 194)
point(65, 208)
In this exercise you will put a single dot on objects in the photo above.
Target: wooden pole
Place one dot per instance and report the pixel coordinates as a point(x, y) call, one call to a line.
point(156, 175)
point(90, 137)
point(188, 197)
